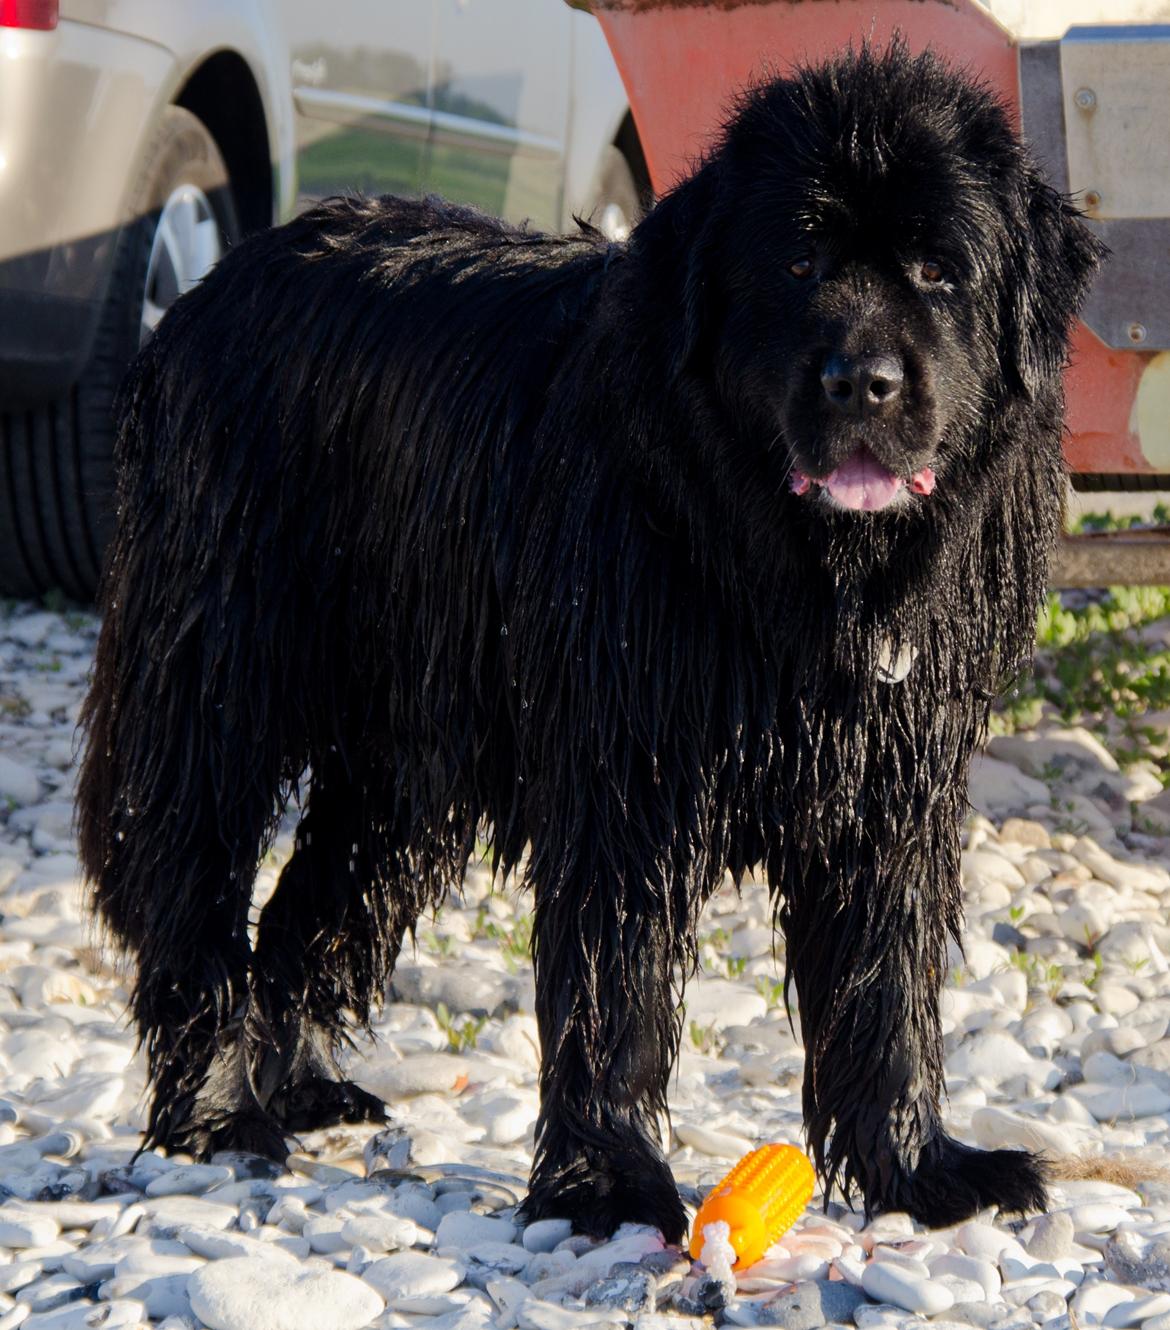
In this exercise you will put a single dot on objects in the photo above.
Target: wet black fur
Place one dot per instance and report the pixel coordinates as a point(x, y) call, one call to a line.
point(490, 527)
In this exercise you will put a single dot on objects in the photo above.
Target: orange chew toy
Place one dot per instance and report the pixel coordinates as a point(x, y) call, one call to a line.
point(760, 1199)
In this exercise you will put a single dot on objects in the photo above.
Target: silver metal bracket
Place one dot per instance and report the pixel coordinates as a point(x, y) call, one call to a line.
point(1096, 109)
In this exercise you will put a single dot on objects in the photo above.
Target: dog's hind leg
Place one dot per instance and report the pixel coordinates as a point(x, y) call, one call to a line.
point(170, 832)
point(190, 1001)
point(327, 942)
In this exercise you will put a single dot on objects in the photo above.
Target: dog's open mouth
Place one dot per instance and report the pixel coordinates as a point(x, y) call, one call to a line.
point(863, 484)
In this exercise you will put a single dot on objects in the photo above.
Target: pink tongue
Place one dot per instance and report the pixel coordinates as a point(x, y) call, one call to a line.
point(861, 482)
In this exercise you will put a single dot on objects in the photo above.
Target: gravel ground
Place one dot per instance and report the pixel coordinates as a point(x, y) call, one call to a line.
point(1056, 1029)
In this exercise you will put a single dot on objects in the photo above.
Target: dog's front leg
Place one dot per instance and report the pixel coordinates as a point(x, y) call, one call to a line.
point(866, 930)
point(606, 944)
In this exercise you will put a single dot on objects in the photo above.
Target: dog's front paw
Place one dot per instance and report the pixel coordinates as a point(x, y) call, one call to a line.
point(953, 1181)
point(599, 1200)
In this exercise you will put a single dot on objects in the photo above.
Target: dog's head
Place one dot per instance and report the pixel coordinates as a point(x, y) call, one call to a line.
point(870, 267)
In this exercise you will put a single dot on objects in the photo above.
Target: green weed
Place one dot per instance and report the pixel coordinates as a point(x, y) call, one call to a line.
point(705, 1038)
point(1091, 669)
point(515, 943)
point(442, 944)
point(462, 1031)
point(1042, 976)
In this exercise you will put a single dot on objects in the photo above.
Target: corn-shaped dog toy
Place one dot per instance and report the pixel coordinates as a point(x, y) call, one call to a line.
point(760, 1199)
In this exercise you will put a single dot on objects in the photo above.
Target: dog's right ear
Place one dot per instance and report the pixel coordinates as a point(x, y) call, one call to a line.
point(1059, 258)
point(677, 243)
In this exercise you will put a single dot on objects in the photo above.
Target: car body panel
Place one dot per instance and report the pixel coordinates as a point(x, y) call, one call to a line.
point(361, 97)
point(62, 202)
point(435, 96)
point(501, 107)
point(254, 29)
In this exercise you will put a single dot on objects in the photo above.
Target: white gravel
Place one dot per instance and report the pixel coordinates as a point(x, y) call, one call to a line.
point(1055, 1020)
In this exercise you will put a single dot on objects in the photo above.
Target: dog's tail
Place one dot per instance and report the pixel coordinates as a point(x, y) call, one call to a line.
point(123, 728)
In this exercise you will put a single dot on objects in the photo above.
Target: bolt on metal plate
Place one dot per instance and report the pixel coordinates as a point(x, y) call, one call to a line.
point(1116, 94)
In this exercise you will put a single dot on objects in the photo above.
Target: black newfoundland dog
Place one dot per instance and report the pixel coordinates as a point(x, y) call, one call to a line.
point(661, 559)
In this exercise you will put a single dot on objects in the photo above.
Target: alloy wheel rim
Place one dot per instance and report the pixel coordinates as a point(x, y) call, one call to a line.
point(613, 222)
point(187, 242)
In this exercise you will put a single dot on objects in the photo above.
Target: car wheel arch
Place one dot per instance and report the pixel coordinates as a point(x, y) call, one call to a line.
point(223, 93)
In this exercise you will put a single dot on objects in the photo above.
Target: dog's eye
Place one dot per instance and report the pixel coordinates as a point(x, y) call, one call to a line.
point(931, 271)
point(801, 269)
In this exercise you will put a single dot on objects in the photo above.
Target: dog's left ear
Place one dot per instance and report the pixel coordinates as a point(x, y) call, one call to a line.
point(1048, 277)
point(677, 243)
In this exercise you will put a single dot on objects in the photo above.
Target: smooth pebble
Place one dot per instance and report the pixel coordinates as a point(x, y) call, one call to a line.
point(247, 1294)
point(885, 1281)
point(407, 1275)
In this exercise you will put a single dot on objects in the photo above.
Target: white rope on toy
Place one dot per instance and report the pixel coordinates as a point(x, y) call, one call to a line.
point(718, 1255)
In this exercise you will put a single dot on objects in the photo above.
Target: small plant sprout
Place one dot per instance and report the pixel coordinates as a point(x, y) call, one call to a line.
point(1043, 976)
point(515, 943)
point(462, 1031)
point(705, 1038)
point(442, 944)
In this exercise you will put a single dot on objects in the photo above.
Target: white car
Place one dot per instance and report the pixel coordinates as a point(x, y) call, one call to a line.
point(139, 138)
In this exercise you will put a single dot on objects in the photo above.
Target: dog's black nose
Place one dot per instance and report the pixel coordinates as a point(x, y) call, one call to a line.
point(862, 385)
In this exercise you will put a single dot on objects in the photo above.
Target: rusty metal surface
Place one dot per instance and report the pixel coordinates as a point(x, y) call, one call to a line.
point(643, 6)
point(1113, 558)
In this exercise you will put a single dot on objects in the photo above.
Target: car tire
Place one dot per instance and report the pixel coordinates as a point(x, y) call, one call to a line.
point(57, 458)
point(617, 206)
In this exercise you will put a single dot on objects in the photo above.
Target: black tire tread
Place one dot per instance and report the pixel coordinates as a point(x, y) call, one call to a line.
point(56, 459)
